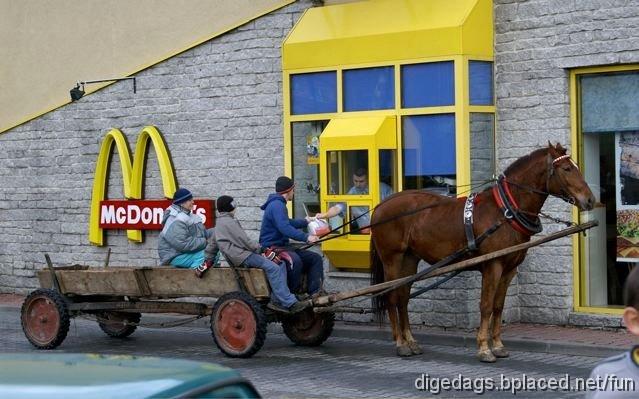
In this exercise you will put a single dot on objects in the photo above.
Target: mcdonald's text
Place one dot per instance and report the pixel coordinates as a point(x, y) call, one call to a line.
point(146, 214)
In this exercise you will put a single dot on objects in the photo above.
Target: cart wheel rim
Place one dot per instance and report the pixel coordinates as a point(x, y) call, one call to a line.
point(42, 320)
point(235, 326)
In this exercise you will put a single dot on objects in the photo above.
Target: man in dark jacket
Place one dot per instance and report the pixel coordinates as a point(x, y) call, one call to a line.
point(278, 228)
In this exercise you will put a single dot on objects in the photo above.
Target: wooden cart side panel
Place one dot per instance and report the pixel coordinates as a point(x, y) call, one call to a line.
point(155, 281)
point(171, 282)
point(100, 281)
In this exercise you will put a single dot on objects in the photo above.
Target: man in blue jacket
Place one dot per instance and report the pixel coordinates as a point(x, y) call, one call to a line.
point(278, 228)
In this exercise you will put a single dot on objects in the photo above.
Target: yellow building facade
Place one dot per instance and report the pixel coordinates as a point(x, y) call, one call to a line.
point(401, 89)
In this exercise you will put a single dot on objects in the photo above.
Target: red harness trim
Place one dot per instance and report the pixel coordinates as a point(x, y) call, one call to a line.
point(500, 203)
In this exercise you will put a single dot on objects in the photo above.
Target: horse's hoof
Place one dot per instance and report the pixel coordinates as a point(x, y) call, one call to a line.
point(404, 351)
point(500, 352)
point(486, 356)
point(415, 349)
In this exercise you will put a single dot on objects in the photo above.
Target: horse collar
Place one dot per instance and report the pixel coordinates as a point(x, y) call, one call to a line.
point(507, 204)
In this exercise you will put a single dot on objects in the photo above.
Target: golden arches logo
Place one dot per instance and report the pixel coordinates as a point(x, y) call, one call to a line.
point(132, 174)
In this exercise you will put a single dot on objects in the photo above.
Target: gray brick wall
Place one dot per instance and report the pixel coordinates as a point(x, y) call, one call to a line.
point(536, 42)
point(219, 109)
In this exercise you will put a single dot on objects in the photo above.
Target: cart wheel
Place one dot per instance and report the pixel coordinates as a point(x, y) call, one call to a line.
point(308, 328)
point(114, 324)
point(238, 324)
point(45, 318)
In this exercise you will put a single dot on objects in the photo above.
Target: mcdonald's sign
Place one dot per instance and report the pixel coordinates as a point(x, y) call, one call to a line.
point(134, 213)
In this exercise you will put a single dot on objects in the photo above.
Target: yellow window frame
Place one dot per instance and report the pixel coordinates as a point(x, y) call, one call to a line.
point(577, 153)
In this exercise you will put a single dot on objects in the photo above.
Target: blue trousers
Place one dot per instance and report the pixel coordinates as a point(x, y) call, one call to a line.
point(276, 275)
point(309, 263)
point(189, 260)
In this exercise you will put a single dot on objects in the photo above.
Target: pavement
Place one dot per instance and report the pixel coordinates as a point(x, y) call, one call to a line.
point(519, 336)
point(359, 360)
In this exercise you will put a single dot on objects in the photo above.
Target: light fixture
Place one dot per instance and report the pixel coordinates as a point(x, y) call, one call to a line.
point(78, 91)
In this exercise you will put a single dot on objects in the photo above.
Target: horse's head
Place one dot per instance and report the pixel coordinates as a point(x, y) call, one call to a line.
point(565, 179)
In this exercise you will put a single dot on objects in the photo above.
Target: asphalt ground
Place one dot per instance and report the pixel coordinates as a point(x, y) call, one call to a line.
point(343, 367)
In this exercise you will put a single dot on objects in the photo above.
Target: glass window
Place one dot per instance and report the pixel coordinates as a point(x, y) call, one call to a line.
point(429, 152)
point(314, 93)
point(428, 85)
point(336, 221)
point(387, 173)
point(305, 137)
point(610, 102)
point(609, 105)
point(482, 149)
point(360, 219)
point(481, 82)
point(369, 88)
point(348, 172)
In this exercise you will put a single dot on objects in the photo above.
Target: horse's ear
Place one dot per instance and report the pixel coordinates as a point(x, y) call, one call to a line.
point(560, 149)
point(552, 151)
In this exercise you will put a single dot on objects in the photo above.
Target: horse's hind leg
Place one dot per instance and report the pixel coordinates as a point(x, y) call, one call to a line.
point(395, 321)
point(404, 322)
point(409, 266)
point(392, 271)
point(498, 308)
point(491, 273)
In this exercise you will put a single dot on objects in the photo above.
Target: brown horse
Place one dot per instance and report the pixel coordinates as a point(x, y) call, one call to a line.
point(420, 225)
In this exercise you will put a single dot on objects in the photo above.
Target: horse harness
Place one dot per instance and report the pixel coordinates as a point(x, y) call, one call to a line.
point(521, 221)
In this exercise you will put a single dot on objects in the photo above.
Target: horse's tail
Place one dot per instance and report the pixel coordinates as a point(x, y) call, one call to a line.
point(377, 276)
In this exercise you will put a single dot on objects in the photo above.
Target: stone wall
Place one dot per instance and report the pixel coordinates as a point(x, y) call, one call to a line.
point(219, 109)
point(536, 44)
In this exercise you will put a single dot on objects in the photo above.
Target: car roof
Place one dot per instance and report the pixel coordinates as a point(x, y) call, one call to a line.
point(114, 376)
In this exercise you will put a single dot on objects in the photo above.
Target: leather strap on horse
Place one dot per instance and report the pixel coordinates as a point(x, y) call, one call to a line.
point(468, 221)
point(516, 218)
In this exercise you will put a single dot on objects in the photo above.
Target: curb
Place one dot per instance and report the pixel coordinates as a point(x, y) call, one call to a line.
point(359, 331)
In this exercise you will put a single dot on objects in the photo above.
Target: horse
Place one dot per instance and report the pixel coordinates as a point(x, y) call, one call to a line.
point(413, 225)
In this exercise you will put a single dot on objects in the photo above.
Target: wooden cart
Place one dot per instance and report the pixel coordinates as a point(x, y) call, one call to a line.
point(116, 297)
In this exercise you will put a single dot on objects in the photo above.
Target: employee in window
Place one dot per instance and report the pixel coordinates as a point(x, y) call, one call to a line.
point(360, 187)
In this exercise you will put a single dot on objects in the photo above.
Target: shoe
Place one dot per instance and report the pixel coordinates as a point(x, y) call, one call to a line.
point(302, 297)
point(277, 308)
point(299, 306)
point(199, 272)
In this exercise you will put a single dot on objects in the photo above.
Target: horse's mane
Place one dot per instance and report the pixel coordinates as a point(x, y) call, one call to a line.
point(525, 160)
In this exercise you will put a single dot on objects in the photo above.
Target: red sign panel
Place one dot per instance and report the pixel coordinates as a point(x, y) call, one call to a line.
point(147, 214)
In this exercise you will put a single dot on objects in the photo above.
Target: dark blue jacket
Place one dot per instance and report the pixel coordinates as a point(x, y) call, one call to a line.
point(277, 228)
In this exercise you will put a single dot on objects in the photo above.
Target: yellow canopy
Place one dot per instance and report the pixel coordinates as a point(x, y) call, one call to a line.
point(359, 133)
point(389, 30)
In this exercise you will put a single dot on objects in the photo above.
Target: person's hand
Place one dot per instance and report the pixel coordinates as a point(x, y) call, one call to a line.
point(310, 218)
point(320, 216)
point(311, 239)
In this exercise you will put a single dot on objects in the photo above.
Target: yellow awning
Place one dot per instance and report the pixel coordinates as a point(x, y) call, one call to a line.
point(359, 133)
point(389, 30)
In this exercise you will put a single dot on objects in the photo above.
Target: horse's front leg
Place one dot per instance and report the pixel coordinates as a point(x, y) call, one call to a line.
point(490, 275)
point(498, 307)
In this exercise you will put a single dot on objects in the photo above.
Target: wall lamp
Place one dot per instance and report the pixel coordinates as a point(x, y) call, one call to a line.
point(78, 91)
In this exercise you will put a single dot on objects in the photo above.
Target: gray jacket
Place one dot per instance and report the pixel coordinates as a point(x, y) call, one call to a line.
point(183, 232)
point(232, 239)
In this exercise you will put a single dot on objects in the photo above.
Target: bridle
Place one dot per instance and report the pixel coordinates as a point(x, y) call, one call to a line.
point(521, 220)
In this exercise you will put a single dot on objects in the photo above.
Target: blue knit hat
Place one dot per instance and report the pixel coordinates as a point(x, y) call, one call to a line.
point(182, 195)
